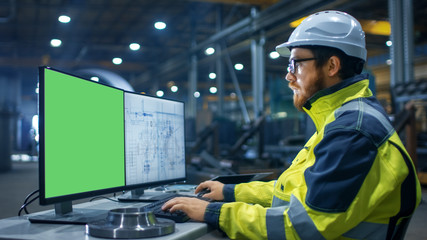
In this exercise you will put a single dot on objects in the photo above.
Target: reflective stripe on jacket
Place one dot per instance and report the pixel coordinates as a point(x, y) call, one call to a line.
point(351, 179)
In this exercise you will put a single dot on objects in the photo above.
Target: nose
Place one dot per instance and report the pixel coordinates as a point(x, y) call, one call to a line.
point(290, 77)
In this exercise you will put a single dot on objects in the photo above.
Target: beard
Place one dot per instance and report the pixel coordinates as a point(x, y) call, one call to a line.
point(301, 94)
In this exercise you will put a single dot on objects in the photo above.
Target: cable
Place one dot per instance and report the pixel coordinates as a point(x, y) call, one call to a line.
point(24, 206)
point(31, 194)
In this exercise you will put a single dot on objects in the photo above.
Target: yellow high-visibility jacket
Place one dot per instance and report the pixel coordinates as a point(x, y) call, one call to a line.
point(352, 180)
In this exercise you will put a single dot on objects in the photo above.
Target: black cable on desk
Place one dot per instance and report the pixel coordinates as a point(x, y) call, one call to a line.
point(31, 194)
point(28, 202)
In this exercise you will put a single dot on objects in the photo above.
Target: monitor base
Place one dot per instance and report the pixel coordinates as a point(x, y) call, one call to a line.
point(146, 196)
point(78, 216)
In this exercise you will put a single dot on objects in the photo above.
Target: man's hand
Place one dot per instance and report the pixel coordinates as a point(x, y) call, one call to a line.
point(215, 189)
point(195, 208)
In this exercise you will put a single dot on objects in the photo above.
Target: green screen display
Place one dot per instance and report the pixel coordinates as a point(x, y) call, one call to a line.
point(84, 135)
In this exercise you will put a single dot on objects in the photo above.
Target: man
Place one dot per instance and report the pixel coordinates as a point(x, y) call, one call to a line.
point(352, 180)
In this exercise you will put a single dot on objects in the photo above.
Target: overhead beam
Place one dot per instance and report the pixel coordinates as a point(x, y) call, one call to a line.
point(248, 2)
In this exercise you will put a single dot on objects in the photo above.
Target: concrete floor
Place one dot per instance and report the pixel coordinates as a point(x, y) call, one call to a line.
point(16, 184)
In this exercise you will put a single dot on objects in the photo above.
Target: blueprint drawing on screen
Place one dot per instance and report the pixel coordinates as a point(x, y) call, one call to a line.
point(154, 135)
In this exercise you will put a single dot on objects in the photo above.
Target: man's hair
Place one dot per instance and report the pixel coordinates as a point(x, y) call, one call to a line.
point(350, 66)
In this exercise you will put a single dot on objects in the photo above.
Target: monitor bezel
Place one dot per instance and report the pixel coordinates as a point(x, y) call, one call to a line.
point(94, 193)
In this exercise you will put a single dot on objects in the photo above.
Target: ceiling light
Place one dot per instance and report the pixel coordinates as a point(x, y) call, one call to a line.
point(160, 93)
point(174, 89)
point(196, 94)
point(274, 55)
point(160, 25)
point(117, 61)
point(212, 75)
point(389, 43)
point(64, 19)
point(55, 42)
point(238, 66)
point(134, 46)
point(213, 90)
point(281, 114)
point(210, 51)
point(389, 62)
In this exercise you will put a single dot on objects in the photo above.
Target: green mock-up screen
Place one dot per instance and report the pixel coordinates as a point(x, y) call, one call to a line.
point(84, 135)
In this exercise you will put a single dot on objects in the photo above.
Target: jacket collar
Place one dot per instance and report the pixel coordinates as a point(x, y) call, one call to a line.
point(324, 102)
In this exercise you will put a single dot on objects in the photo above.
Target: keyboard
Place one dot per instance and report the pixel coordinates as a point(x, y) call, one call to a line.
point(156, 208)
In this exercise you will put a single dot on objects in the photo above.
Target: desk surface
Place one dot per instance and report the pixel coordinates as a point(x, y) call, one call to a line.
point(21, 228)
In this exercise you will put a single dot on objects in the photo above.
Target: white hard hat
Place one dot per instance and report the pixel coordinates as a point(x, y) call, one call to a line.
point(331, 29)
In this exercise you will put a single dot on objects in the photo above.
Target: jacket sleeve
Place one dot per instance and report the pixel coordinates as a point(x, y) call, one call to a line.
point(255, 192)
point(246, 221)
point(246, 210)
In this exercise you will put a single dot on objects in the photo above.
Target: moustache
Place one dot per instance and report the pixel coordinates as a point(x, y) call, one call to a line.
point(292, 86)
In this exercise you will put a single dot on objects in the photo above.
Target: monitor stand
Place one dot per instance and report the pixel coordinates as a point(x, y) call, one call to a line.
point(64, 214)
point(139, 195)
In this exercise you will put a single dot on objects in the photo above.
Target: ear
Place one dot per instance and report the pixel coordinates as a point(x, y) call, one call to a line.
point(334, 66)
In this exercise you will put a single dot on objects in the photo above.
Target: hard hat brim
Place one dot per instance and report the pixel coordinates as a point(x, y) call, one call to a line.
point(354, 51)
point(283, 49)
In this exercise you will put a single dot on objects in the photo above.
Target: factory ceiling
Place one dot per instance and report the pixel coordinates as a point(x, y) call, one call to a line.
point(100, 30)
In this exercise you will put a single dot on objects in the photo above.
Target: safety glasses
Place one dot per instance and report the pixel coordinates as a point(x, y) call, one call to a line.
point(293, 64)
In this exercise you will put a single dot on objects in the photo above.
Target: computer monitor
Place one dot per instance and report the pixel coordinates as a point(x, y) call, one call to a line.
point(96, 139)
point(154, 143)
